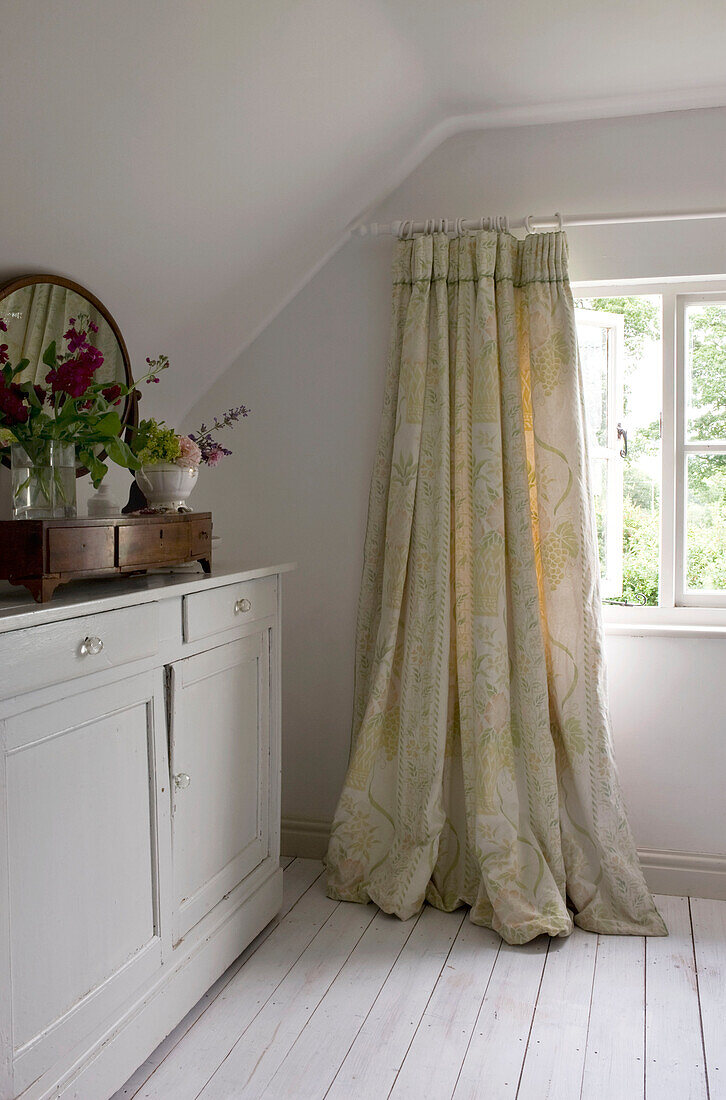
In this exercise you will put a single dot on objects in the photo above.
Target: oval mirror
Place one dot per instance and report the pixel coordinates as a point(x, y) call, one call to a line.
point(37, 309)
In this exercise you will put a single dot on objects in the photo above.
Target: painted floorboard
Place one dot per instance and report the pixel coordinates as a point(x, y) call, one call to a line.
point(263, 1046)
point(709, 935)
point(433, 1061)
point(493, 1061)
point(673, 1042)
point(556, 1050)
point(314, 1059)
point(369, 1070)
point(615, 1056)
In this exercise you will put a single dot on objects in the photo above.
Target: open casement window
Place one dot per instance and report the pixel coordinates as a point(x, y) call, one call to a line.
point(601, 344)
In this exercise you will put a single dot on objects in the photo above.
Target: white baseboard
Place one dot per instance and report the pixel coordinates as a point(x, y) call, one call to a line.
point(666, 872)
point(681, 873)
point(303, 838)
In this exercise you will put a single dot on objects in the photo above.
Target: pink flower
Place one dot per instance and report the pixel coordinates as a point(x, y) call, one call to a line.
point(214, 456)
point(190, 455)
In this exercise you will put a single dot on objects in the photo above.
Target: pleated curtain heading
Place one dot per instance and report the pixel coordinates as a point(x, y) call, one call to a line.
point(482, 770)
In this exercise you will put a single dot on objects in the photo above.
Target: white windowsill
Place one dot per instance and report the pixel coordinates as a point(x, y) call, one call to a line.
point(665, 622)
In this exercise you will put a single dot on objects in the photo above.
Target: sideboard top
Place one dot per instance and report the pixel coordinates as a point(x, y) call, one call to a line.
point(18, 609)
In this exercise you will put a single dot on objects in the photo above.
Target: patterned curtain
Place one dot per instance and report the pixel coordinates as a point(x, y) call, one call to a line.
point(482, 769)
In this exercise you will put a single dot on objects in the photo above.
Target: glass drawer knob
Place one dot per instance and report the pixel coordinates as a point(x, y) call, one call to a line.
point(242, 605)
point(182, 781)
point(91, 646)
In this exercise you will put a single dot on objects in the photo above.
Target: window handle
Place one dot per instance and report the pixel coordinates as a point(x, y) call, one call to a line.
point(623, 434)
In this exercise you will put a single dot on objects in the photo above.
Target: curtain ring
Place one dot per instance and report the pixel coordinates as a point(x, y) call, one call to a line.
point(444, 225)
point(459, 227)
point(406, 228)
point(528, 224)
point(559, 222)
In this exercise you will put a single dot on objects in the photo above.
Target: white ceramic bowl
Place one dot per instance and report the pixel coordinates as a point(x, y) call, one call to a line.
point(166, 485)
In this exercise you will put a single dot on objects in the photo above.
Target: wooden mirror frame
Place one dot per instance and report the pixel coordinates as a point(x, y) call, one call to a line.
point(129, 415)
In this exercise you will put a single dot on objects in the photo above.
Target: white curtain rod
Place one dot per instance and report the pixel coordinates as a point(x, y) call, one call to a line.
point(531, 223)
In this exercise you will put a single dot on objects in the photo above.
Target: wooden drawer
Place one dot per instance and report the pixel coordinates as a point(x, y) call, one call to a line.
point(153, 544)
point(91, 546)
point(49, 654)
point(201, 537)
point(227, 608)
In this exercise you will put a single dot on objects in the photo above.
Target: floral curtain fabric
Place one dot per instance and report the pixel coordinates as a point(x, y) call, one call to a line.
point(482, 770)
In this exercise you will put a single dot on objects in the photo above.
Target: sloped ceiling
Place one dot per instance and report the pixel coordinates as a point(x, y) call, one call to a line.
point(193, 161)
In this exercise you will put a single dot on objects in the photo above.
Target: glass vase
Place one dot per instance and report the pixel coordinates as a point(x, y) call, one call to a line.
point(43, 474)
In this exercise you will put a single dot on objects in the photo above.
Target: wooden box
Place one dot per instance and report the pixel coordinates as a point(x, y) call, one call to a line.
point(41, 554)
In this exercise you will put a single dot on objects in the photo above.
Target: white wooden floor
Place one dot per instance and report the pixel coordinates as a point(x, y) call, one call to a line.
point(340, 1001)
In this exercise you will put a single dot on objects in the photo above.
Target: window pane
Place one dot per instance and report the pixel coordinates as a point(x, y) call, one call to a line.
point(706, 371)
point(706, 523)
point(593, 344)
point(599, 476)
point(642, 374)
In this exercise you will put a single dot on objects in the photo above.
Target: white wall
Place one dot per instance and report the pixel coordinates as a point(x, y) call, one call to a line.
point(296, 489)
point(297, 485)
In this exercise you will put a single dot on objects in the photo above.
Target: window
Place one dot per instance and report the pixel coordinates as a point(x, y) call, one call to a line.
point(653, 358)
point(600, 337)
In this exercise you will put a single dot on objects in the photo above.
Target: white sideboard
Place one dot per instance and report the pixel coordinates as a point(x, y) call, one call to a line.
point(139, 814)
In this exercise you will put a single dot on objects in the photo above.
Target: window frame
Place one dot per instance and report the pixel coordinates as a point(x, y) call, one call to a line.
point(612, 323)
point(679, 610)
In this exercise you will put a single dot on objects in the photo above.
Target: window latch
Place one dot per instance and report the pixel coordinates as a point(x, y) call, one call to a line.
point(639, 600)
point(623, 434)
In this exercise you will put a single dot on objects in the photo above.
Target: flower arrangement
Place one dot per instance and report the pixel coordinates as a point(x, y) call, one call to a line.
point(71, 407)
point(73, 412)
point(154, 442)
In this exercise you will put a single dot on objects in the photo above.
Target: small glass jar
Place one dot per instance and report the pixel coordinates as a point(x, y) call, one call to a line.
point(43, 475)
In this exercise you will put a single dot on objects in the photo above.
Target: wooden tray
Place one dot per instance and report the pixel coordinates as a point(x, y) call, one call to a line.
point(41, 554)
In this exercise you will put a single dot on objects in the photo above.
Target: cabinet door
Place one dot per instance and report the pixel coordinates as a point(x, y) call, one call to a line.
point(84, 808)
point(220, 773)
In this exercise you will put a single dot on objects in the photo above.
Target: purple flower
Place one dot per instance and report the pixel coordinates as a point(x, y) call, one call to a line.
point(3, 326)
point(211, 450)
point(12, 404)
point(4, 357)
point(75, 339)
point(74, 376)
point(112, 394)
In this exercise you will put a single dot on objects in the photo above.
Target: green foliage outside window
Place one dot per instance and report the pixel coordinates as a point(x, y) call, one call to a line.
point(706, 492)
